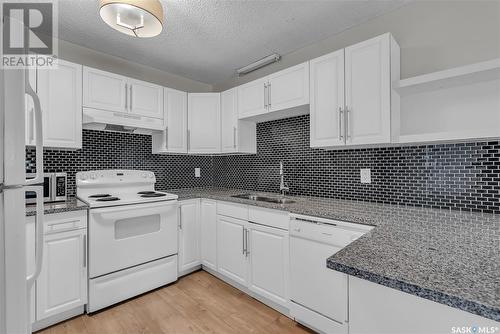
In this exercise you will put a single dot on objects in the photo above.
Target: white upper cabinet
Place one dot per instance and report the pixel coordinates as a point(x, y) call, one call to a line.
point(173, 139)
point(252, 98)
point(276, 96)
point(288, 88)
point(352, 100)
point(60, 92)
point(327, 100)
point(368, 91)
point(146, 99)
point(104, 90)
point(204, 123)
point(236, 136)
point(110, 98)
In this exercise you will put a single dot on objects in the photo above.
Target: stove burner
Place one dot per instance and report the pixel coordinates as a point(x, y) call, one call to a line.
point(146, 192)
point(107, 199)
point(154, 195)
point(99, 195)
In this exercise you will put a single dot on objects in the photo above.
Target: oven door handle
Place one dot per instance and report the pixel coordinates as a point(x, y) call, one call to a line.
point(128, 212)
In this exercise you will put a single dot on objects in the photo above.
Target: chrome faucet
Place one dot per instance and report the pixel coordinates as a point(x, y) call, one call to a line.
point(283, 186)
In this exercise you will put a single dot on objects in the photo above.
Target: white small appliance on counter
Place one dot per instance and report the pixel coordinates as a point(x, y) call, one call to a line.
point(132, 234)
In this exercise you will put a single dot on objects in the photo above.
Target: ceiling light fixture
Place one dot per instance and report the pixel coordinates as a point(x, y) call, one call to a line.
point(139, 18)
point(258, 64)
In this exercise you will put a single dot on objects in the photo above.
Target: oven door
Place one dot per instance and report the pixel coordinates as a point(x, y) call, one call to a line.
point(125, 236)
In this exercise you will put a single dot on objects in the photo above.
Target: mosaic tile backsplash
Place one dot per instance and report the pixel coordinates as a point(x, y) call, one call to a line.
point(463, 176)
point(115, 150)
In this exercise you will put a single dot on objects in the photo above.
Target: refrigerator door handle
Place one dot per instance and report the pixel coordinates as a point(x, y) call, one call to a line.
point(38, 133)
point(30, 280)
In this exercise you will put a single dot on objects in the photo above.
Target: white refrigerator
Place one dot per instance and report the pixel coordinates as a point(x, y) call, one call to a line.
point(16, 280)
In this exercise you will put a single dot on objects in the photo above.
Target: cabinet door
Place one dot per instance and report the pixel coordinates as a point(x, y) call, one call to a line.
point(204, 122)
point(175, 104)
point(269, 263)
point(62, 284)
point(229, 121)
point(367, 91)
point(252, 98)
point(189, 240)
point(104, 90)
point(145, 99)
point(289, 88)
point(231, 259)
point(60, 92)
point(208, 214)
point(327, 100)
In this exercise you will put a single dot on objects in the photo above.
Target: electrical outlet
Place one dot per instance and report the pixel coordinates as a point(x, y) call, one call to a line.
point(366, 175)
point(197, 172)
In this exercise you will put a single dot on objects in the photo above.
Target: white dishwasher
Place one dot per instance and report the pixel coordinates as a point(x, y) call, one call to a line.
point(319, 294)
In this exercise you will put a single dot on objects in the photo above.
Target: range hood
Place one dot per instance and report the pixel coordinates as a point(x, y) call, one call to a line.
point(95, 119)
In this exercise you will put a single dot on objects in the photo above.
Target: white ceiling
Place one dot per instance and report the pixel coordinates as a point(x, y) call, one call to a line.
point(208, 40)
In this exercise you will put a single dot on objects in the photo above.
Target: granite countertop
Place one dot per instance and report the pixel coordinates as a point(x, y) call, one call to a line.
point(449, 257)
point(71, 204)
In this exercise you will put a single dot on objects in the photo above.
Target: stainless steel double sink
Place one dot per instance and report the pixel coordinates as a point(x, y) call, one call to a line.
point(253, 197)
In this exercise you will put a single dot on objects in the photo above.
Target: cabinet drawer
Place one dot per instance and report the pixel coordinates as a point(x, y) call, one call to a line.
point(269, 217)
point(234, 210)
point(65, 221)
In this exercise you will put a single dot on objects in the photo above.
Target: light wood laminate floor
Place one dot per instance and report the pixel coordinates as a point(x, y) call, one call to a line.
point(197, 303)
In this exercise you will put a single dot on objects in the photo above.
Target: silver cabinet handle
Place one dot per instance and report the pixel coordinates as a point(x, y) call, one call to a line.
point(234, 136)
point(84, 251)
point(126, 96)
point(188, 140)
point(347, 125)
point(180, 217)
point(244, 241)
point(247, 242)
point(265, 95)
point(340, 123)
point(130, 97)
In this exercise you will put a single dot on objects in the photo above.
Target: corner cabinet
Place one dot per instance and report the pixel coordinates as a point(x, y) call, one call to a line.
point(204, 123)
point(173, 139)
point(279, 95)
point(60, 93)
point(352, 100)
point(236, 136)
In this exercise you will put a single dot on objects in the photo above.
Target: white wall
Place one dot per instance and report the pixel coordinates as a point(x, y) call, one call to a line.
point(106, 62)
point(433, 35)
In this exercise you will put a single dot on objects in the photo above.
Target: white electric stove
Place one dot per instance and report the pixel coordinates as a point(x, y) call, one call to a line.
point(132, 234)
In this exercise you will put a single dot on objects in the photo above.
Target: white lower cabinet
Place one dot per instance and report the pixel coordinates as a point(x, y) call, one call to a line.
point(62, 284)
point(60, 291)
point(208, 218)
point(269, 263)
point(189, 235)
point(232, 260)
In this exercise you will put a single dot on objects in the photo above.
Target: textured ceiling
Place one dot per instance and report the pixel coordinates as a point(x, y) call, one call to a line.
point(207, 40)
